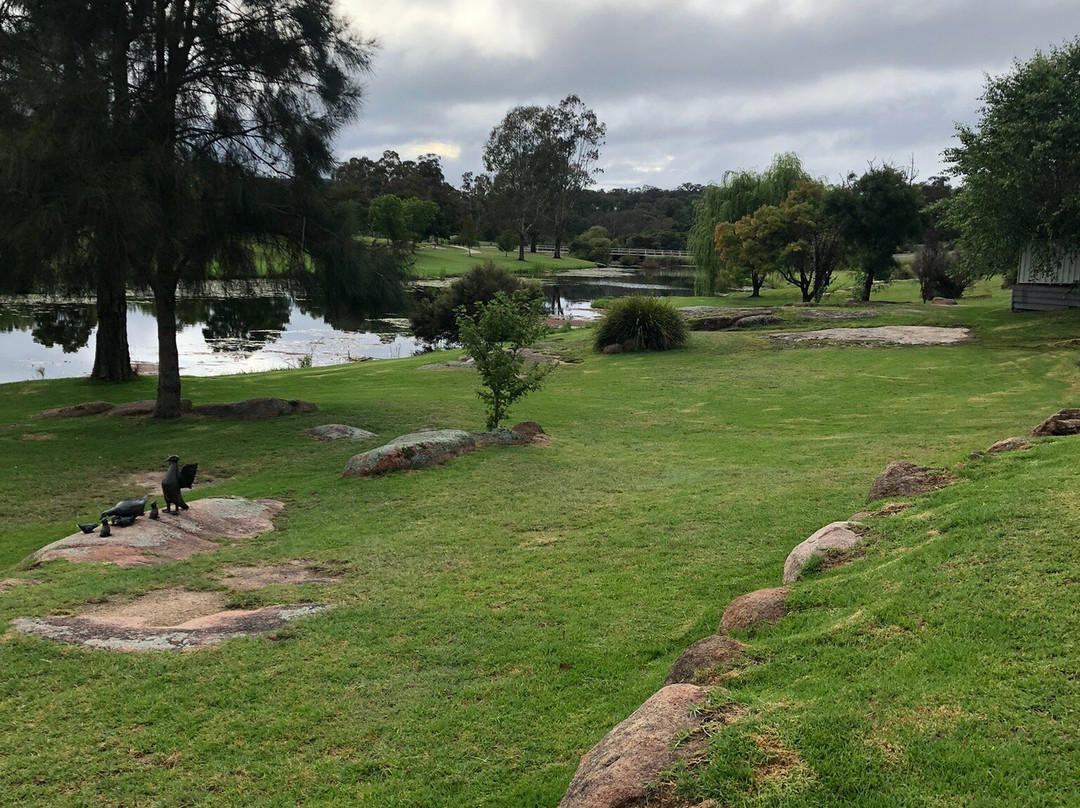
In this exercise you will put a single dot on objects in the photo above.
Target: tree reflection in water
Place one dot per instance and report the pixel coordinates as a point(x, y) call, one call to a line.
point(242, 325)
point(68, 326)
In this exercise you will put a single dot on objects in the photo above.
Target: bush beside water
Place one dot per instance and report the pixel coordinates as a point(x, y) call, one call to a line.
point(641, 323)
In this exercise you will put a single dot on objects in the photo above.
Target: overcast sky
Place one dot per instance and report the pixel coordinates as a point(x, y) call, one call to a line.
point(692, 88)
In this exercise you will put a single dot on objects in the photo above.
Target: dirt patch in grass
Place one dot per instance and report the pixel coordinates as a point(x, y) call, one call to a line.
point(8, 583)
point(170, 538)
point(149, 482)
point(882, 335)
point(165, 620)
point(777, 760)
point(164, 607)
point(291, 573)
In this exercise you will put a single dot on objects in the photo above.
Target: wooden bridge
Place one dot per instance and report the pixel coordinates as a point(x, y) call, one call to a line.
point(619, 252)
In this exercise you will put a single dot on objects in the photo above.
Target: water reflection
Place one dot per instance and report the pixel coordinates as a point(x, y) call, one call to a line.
point(244, 329)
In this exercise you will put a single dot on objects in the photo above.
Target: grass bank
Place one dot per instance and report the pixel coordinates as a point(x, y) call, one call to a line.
point(447, 261)
point(502, 612)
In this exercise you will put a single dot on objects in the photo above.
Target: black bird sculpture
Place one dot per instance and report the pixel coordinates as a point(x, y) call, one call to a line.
point(175, 479)
point(128, 507)
point(124, 521)
point(87, 527)
point(154, 510)
point(105, 530)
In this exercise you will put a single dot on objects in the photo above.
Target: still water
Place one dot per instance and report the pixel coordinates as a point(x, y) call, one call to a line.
point(235, 331)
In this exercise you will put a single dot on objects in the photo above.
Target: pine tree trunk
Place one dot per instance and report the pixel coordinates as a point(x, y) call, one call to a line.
point(868, 284)
point(521, 245)
point(558, 240)
point(112, 358)
point(755, 283)
point(168, 391)
point(532, 242)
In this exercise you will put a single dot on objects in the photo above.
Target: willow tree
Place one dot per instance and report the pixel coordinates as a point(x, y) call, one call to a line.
point(739, 194)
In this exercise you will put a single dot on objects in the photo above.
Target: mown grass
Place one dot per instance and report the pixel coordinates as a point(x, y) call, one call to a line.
point(450, 262)
point(502, 612)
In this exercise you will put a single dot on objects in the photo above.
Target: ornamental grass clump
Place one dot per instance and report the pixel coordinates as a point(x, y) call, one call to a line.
point(641, 324)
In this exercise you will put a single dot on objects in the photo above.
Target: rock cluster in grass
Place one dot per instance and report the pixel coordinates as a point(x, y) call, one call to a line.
point(256, 409)
point(713, 654)
point(716, 318)
point(1009, 445)
point(836, 537)
point(251, 409)
point(419, 450)
point(904, 479)
point(1063, 422)
point(882, 335)
point(755, 608)
point(619, 770)
point(332, 432)
point(170, 538)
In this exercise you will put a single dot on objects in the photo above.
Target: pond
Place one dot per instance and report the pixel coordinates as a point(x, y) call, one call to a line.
point(238, 331)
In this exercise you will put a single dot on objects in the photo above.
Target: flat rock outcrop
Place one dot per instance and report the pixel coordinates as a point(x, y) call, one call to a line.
point(419, 450)
point(1009, 445)
point(242, 578)
point(330, 432)
point(199, 632)
point(412, 451)
point(170, 538)
point(78, 410)
point(755, 608)
point(256, 409)
point(1063, 422)
point(144, 407)
point(710, 653)
point(758, 320)
point(835, 537)
point(882, 335)
point(904, 479)
point(717, 318)
point(618, 771)
point(8, 583)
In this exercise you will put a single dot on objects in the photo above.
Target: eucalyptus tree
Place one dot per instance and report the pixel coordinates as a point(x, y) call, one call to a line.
point(578, 137)
point(739, 194)
point(522, 156)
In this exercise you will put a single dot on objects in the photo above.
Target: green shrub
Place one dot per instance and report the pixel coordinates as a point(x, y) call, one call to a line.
point(641, 324)
point(495, 335)
point(434, 311)
point(940, 272)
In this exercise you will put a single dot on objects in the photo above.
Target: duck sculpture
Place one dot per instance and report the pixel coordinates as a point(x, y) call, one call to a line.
point(127, 507)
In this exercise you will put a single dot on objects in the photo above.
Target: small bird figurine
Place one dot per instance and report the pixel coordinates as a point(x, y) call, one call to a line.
point(105, 530)
point(175, 479)
point(154, 511)
point(87, 527)
point(123, 521)
point(128, 507)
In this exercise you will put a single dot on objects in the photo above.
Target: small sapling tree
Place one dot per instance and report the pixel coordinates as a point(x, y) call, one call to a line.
point(495, 336)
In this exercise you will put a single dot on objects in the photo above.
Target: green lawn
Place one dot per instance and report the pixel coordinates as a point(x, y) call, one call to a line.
point(502, 612)
point(448, 262)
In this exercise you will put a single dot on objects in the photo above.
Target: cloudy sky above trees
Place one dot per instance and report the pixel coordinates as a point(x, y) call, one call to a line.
point(692, 88)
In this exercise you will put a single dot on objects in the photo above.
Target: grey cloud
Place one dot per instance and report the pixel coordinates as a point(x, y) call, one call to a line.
point(666, 79)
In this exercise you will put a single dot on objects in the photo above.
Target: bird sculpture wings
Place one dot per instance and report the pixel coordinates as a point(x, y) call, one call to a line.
point(187, 475)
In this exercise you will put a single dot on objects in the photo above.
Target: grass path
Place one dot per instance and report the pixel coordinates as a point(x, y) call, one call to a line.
point(504, 611)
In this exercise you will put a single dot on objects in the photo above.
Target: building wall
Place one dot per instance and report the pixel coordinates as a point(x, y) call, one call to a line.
point(1033, 271)
point(1045, 296)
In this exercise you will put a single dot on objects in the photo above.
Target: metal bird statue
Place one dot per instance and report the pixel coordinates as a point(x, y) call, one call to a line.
point(128, 507)
point(105, 530)
point(123, 521)
point(175, 479)
point(87, 527)
point(154, 510)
